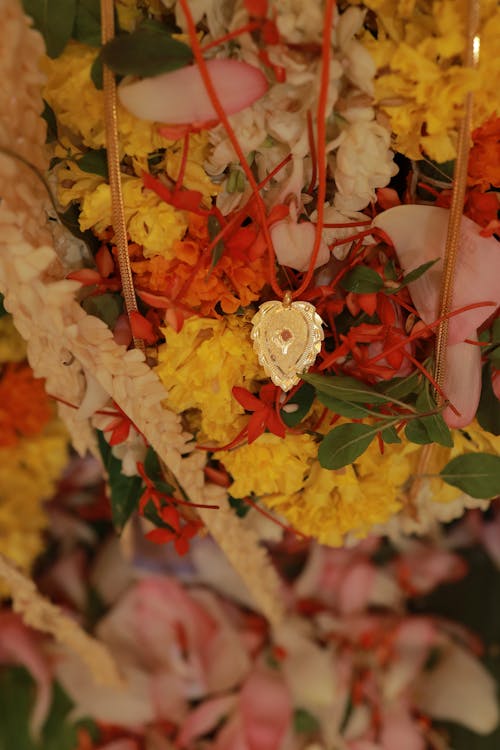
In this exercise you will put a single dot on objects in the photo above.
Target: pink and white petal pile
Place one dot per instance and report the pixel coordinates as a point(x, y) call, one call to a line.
point(206, 671)
point(419, 235)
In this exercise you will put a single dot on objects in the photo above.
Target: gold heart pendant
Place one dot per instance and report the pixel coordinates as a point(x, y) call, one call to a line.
point(287, 338)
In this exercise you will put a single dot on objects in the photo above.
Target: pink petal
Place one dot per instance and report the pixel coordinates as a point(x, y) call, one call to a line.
point(400, 731)
point(205, 718)
point(231, 736)
point(124, 744)
point(180, 97)
point(356, 588)
point(462, 383)
point(419, 235)
point(121, 333)
point(266, 710)
point(20, 645)
point(293, 244)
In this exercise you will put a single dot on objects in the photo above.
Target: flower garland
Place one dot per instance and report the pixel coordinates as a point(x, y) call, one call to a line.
point(204, 202)
point(33, 453)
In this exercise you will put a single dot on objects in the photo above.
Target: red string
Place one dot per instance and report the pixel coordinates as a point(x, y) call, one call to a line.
point(321, 131)
point(321, 142)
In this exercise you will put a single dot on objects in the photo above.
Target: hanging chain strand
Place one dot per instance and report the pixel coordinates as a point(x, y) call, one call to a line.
point(457, 203)
point(115, 184)
point(449, 262)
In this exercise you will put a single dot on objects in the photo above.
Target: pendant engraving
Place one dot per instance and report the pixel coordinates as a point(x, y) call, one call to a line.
point(287, 338)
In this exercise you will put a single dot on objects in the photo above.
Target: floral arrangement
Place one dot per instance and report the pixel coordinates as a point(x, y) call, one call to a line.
point(255, 157)
point(33, 451)
point(365, 659)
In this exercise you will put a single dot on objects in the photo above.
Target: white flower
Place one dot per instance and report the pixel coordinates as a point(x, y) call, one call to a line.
point(363, 163)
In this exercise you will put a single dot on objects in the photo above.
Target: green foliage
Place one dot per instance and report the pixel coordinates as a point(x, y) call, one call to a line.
point(50, 118)
point(477, 474)
point(304, 722)
point(214, 228)
point(17, 694)
point(95, 162)
point(125, 491)
point(431, 428)
point(362, 280)
point(345, 443)
point(54, 19)
point(3, 311)
point(153, 469)
point(303, 399)
point(412, 276)
point(147, 51)
point(87, 28)
point(488, 413)
point(105, 306)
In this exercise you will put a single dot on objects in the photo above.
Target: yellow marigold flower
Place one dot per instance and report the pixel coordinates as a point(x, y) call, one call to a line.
point(79, 105)
point(195, 177)
point(419, 84)
point(12, 346)
point(199, 367)
point(151, 222)
point(270, 465)
point(28, 474)
point(351, 500)
point(73, 184)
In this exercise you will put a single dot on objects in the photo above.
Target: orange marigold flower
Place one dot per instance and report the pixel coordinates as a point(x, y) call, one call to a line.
point(191, 281)
point(484, 158)
point(24, 406)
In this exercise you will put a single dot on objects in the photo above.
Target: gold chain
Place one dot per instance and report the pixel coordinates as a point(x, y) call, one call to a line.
point(115, 182)
point(457, 203)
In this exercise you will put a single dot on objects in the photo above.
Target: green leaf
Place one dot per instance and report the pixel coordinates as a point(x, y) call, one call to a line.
point(146, 52)
point(436, 427)
point(69, 219)
point(236, 182)
point(214, 228)
point(54, 19)
point(87, 28)
point(362, 280)
point(412, 276)
point(239, 506)
point(390, 272)
point(17, 695)
point(304, 722)
point(344, 408)
point(3, 311)
point(390, 435)
point(494, 356)
point(152, 467)
point(106, 306)
point(303, 399)
point(401, 387)
point(95, 162)
point(477, 474)
point(125, 491)
point(50, 118)
point(344, 444)
point(96, 73)
point(488, 412)
point(345, 388)
point(415, 432)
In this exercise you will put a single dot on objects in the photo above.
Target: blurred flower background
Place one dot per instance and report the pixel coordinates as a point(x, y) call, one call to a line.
point(388, 644)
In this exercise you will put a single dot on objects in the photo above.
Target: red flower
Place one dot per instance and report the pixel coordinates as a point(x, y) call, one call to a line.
point(178, 534)
point(265, 410)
